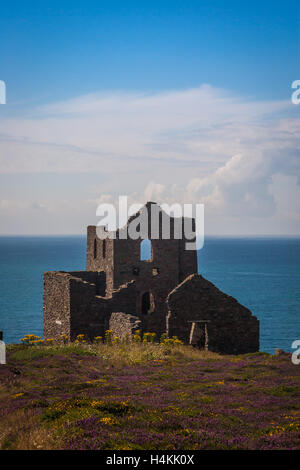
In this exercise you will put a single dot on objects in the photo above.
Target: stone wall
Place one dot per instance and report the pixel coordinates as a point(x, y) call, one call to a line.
point(119, 255)
point(56, 304)
point(170, 264)
point(164, 293)
point(100, 256)
point(123, 324)
point(231, 328)
point(68, 298)
point(72, 307)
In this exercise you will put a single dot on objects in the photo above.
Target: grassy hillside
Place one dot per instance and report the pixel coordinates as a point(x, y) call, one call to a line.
point(146, 396)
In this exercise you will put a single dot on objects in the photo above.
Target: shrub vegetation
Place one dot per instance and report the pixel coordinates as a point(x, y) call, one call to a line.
point(145, 394)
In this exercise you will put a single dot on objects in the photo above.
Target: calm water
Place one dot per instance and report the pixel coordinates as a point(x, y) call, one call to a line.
point(263, 274)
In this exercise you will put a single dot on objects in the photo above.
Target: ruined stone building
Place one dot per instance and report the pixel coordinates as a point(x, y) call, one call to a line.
point(162, 294)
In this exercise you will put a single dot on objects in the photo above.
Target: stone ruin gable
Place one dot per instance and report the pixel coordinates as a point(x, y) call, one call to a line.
point(117, 280)
point(64, 294)
point(120, 257)
point(170, 260)
point(231, 329)
point(164, 293)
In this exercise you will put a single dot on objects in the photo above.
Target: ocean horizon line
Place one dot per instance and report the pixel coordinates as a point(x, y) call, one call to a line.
point(82, 235)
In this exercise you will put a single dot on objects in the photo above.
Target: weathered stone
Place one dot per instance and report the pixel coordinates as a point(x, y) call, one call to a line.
point(164, 294)
point(123, 324)
point(279, 352)
point(231, 328)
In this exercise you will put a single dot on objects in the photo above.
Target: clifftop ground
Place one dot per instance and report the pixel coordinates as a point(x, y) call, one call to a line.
point(147, 397)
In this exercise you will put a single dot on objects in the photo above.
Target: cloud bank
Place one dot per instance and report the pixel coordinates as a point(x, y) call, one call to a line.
point(238, 156)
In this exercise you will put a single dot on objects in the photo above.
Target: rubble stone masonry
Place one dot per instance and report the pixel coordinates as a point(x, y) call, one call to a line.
point(163, 294)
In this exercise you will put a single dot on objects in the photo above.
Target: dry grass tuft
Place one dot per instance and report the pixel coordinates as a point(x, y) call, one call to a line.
point(117, 354)
point(22, 431)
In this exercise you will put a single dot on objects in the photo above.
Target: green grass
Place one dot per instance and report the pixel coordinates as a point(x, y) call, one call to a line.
point(118, 354)
point(285, 390)
point(31, 353)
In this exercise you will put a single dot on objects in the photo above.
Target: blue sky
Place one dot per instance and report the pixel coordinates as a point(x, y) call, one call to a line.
point(56, 50)
point(172, 100)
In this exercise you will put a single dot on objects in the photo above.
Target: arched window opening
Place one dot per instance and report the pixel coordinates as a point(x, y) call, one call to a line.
point(147, 303)
point(103, 248)
point(146, 250)
point(95, 248)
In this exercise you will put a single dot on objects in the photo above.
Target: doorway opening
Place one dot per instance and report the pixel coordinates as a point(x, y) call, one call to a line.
point(147, 303)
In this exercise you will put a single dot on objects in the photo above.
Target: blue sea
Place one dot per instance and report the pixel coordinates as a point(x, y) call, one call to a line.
point(261, 273)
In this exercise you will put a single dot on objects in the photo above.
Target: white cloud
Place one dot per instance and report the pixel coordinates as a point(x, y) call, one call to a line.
point(102, 132)
point(198, 145)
